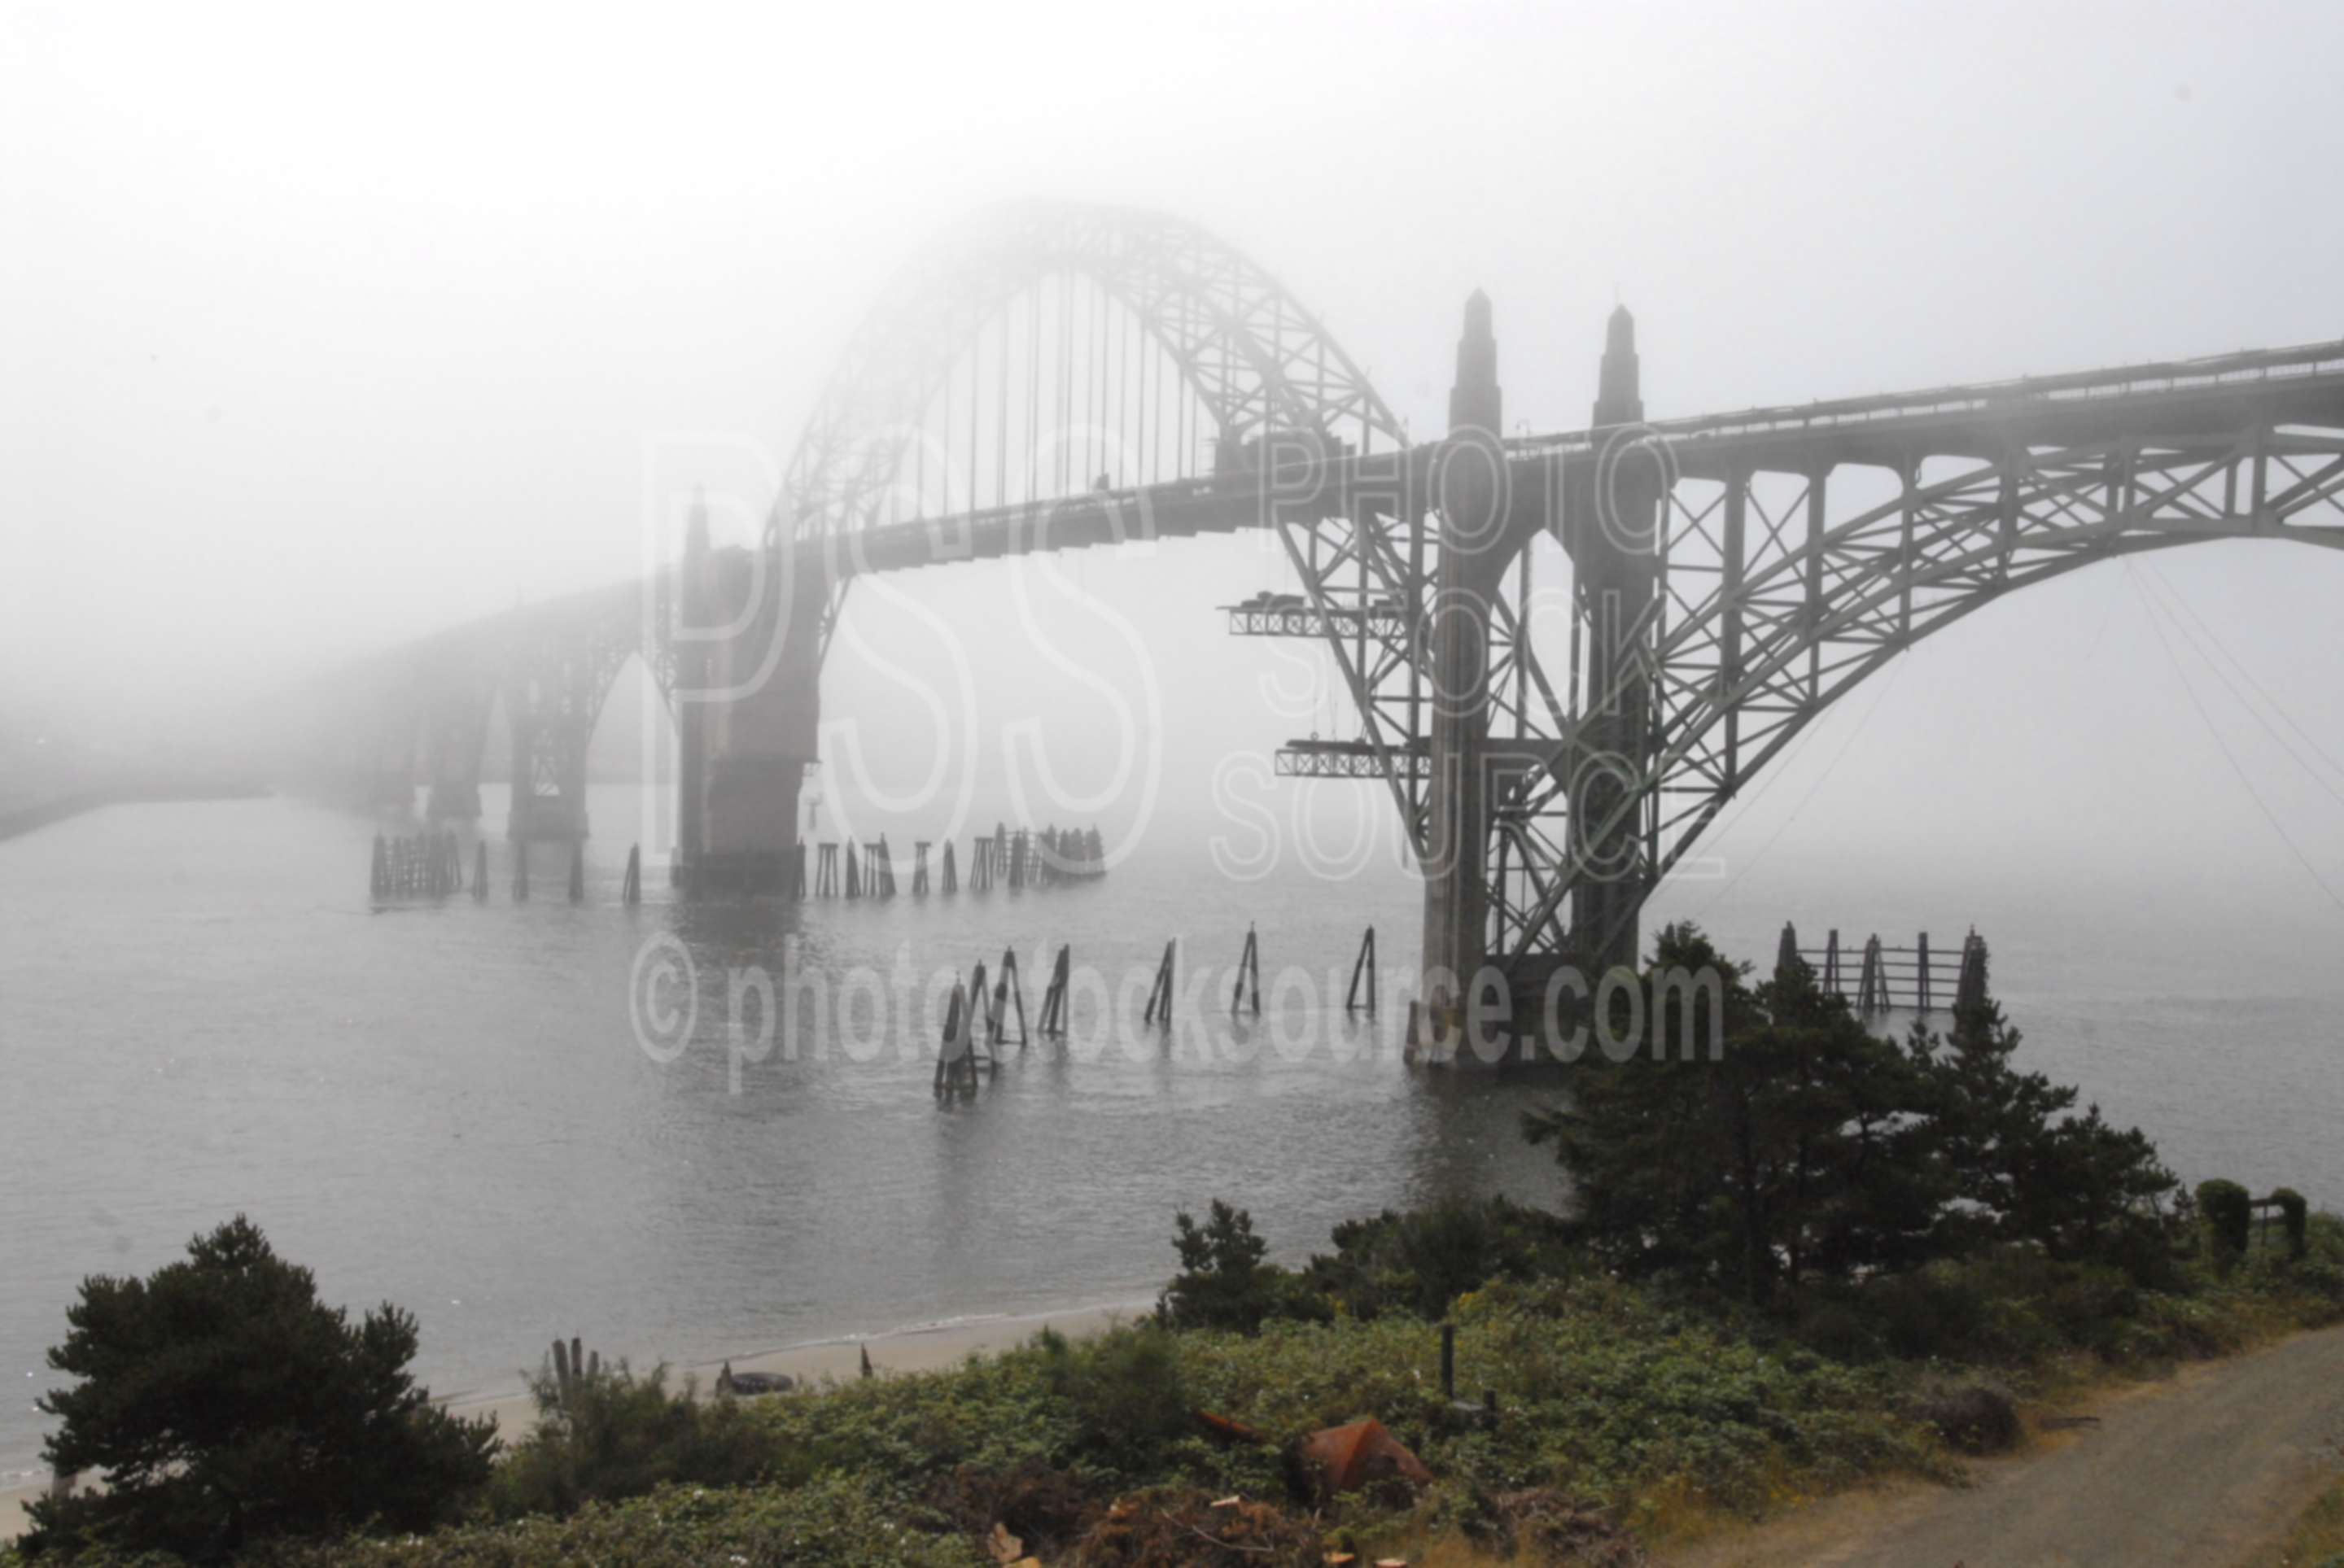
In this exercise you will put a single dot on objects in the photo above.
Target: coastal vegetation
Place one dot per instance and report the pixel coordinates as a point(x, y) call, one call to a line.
point(1807, 1259)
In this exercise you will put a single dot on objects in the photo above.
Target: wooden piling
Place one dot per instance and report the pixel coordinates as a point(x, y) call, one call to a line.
point(948, 1050)
point(825, 884)
point(379, 879)
point(1008, 990)
point(1363, 968)
point(577, 870)
point(1249, 968)
point(1053, 999)
point(919, 867)
point(952, 875)
point(631, 892)
point(854, 872)
point(1969, 991)
point(1922, 971)
point(1159, 996)
point(967, 1032)
point(1872, 988)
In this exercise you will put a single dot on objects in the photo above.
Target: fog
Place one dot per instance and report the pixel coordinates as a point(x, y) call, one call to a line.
point(322, 334)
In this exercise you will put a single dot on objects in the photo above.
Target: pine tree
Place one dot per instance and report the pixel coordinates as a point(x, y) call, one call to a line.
point(222, 1402)
point(1793, 1143)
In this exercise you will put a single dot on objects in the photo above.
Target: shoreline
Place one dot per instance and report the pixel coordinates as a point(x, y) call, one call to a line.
point(928, 1347)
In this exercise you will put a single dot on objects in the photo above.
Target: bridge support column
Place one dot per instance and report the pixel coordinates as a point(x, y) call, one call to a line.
point(457, 728)
point(760, 733)
point(1475, 548)
point(548, 799)
point(1614, 541)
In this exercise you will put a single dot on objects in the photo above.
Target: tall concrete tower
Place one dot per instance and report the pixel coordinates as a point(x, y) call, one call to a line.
point(1470, 572)
point(1615, 554)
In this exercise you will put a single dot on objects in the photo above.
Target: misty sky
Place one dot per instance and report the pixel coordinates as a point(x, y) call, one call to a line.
point(324, 328)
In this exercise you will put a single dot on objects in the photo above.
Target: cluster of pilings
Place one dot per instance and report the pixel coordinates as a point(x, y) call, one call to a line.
point(1888, 978)
point(424, 866)
point(1023, 858)
point(976, 1022)
point(431, 865)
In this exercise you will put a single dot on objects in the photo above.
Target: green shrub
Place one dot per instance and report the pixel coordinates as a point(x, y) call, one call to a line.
point(2229, 1216)
point(1124, 1388)
point(611, 1433)
point(1421, 1260)
point(2295, 1215)
point(1223, 1283)
point(834, 1521)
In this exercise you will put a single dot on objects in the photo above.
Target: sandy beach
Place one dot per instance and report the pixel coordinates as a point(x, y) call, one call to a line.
point(924, 1348)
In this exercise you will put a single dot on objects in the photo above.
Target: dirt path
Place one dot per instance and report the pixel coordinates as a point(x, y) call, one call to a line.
point(2195, 1473)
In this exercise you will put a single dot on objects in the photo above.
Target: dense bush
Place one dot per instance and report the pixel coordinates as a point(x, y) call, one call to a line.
point(834, 1521)
point(223, 1404)
point(611, 1433)
point(1223, 1283)
point(1124, 1390)
point(1422, 1260)
point(2228, 1211)
point(2294, 1215)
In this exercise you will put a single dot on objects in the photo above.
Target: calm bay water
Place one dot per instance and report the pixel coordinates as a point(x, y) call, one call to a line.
point(447, 1105)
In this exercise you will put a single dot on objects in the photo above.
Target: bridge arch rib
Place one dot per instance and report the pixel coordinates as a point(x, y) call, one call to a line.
point(1255, 361)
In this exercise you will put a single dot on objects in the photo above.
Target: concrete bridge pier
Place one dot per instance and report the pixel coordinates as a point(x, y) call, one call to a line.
point(458, 735)
point(747, 750)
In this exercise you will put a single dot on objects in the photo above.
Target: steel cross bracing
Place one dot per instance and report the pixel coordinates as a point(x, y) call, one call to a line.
point(1775, 601)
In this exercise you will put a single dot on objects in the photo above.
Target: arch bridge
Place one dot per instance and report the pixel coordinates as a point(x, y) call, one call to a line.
point(1051, 377)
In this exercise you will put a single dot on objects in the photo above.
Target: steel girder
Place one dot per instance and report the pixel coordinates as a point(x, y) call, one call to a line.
point(1771, 608)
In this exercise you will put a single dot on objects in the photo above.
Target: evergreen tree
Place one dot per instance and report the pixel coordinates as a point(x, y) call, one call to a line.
point(222, 1402)
point(1789, 1141)
point(2025, 1169)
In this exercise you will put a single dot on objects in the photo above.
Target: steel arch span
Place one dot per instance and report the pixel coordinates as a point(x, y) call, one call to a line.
point(1257, 363)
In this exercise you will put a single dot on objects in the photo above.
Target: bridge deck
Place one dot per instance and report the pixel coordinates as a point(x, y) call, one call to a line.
point(2179, 400)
